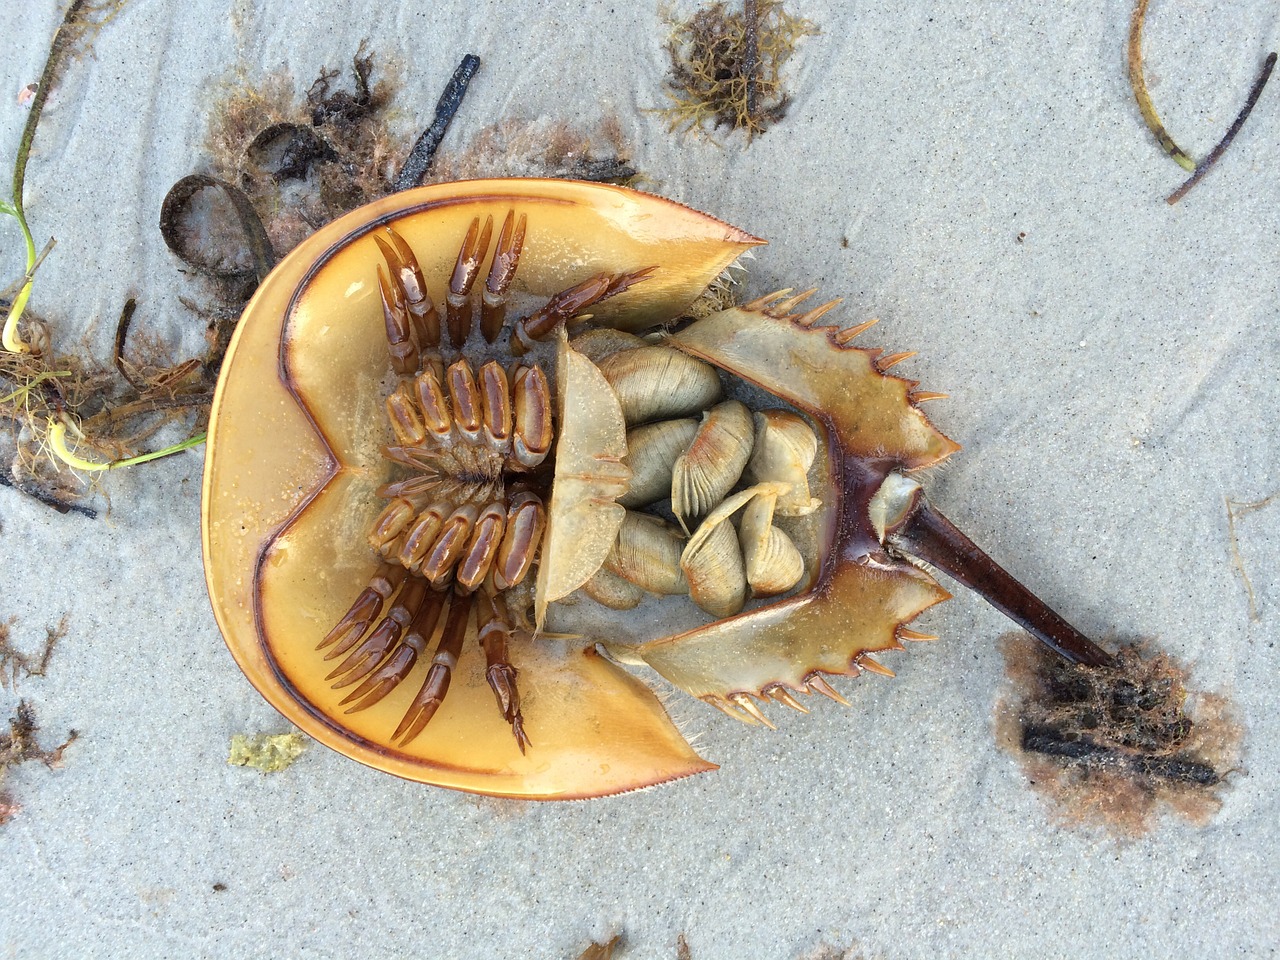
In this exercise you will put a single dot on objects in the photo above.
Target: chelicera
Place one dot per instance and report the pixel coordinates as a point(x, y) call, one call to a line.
point(471, 445)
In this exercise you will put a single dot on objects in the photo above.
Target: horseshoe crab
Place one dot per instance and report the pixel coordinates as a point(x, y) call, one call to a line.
point(446, 468)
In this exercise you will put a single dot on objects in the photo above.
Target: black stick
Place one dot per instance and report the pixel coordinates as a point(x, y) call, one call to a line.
point(1204, 166)
point(424, 151)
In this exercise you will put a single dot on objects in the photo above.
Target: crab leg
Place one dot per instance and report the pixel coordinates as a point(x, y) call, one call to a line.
point(395, 315)
point(450, 544)
point(392, 671)
point(458, 299)
point(384, 637)
point(526, 519)
point(495, 407)
point(482, 547)
point(493, 307)
point(494, 630)
point(531, 398)
point(422, 536)
point(436, 419)
point(436, 685)
point(465, 401)
point(391, 523)
point(927, 534)
point(569, 303)
point(406, 420)
point(423, 316)
point(368, 605)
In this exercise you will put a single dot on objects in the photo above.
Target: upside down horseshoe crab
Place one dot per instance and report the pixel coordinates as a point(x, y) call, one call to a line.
point(461, 431)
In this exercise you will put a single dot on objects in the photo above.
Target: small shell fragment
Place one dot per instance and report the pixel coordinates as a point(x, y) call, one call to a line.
point(708, 470)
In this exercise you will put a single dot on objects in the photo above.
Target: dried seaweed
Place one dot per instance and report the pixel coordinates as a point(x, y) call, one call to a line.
point(43, 395)
point(1109, 745)
point(298, 162)
point(21, 745)
point(726, 67)
point(541, 148)
point(13, 660)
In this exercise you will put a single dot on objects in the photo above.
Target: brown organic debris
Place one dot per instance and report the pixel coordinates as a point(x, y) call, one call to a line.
point(726, 66)
point(13, 660)
point(302, 161)
point(1109, 745)
point(541, 148)
point(298, 163)
point(40, 388)
point(19, 746)
point(602, 950)
point(117, 408)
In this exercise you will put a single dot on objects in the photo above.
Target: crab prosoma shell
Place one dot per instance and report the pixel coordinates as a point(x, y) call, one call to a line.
point(294, 462)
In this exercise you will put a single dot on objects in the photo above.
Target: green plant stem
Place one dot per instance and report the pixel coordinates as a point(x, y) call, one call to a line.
point(11, 338)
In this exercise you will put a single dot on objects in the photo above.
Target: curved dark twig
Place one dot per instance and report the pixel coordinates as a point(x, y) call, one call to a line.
point(1207, 163)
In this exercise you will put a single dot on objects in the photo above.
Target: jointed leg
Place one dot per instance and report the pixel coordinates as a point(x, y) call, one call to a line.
point(458, 299)
point(567, 304)
point(436, 685)
point(494, 629)
point(506, 256)
point(392, 671)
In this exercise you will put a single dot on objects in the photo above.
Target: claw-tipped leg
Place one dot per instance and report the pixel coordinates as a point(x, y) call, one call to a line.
point(436, 685)
point(368, 605)
point(567, 304)
point(494, 629)
point(506, 257)
point(391, 671)
point(365, 657)
point(458, 299)
point(407, 278)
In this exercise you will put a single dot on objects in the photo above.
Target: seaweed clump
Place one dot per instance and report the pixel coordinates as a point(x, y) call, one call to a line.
point(726, 66)
point(302, 162)
point(1111, 744)
point(20, 745)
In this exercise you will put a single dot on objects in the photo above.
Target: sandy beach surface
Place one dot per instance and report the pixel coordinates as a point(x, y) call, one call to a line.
point(977, 176)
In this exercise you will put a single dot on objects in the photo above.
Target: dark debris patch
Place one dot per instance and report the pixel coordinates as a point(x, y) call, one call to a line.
point(1110, 745)
point(21, 745)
